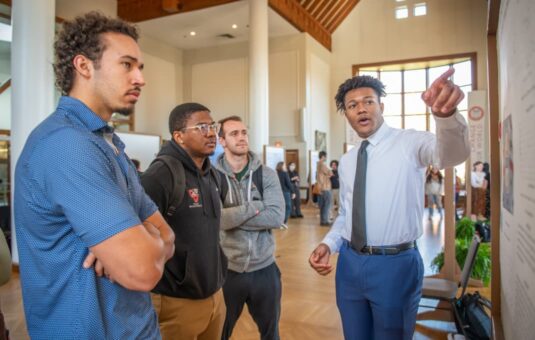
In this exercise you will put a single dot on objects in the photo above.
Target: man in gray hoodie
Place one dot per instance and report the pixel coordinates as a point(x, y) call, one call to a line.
point(249, 215)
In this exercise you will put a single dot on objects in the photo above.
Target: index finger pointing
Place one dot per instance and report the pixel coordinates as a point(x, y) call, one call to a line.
point(443, 77)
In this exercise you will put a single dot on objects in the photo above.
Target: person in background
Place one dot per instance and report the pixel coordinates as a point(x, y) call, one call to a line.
point(486, 170)
point(458, 187)
point(296, 201)
point(323, 180)
point(479, 188)
point(287, 189)
point(380, 271)
point(335, 190)
point(434, 187)
point(189, 299)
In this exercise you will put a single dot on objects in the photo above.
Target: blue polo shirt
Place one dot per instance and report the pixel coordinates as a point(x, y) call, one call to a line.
point(73, 191)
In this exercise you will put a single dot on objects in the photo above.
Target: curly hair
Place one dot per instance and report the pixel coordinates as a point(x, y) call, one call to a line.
point(82, 36)
point(355, 83)
point(180, 115)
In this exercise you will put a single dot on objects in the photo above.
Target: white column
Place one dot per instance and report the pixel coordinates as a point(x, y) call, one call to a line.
point(32, 77)
point(258, 75)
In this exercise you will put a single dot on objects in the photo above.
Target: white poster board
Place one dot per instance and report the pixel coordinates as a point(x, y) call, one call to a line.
point(314, 157)
point(273, 155)
point(142, 147)
point(517, 109)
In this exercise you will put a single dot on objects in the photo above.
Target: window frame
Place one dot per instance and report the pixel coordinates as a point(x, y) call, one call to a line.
point(450, 60)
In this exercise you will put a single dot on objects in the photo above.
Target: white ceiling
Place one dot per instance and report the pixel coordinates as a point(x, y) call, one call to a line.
point(208, 24)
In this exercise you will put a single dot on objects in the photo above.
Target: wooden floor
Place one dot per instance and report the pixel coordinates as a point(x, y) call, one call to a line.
point(308, 300)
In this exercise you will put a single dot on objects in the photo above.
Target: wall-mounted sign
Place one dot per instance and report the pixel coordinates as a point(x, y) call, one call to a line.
point(476, 113)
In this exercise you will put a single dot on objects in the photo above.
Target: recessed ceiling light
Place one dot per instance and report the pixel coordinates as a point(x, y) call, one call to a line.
point(192, 33)
point(234, 26)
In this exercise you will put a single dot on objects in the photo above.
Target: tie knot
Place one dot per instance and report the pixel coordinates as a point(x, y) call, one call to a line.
point(364, 145)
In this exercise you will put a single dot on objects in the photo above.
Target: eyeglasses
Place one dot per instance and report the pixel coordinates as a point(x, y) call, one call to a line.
point(204, 129)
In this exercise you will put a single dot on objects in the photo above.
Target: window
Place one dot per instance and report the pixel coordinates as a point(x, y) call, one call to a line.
point(406, 80)
point(402, 12)
point(420, 9)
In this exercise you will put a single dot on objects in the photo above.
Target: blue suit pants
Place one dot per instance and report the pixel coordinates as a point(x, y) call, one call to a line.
point(378, 295)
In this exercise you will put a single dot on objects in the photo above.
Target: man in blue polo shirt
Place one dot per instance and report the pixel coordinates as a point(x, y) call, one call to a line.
point(91, 242)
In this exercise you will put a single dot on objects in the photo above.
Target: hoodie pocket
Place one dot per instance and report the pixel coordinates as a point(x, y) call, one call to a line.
point(179, 267)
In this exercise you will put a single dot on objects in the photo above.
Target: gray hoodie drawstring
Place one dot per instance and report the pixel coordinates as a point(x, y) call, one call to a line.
point(230, 188)
point(249, 186)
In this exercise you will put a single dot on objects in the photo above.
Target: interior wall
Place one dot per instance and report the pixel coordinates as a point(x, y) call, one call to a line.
point(163, 88)
point(318, 93)
point(371, 34)
point(158, 97)
point(222, 87)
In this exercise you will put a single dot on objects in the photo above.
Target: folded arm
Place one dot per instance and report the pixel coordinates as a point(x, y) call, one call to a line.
point(272, 216)
point(135, 257)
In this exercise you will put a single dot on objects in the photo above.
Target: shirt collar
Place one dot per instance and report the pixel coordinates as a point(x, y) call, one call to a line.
point(380, 134)
point(83, 115)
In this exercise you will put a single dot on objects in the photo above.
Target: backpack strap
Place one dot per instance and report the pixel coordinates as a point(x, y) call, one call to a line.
point(222, 184)
point(258, 180)
point(178, 177)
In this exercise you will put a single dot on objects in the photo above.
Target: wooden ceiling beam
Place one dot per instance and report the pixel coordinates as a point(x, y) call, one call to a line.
point(171, 6)
point(141, 10)
point(5, 86)
point(493, 16)
point(295, 14)
point(306, 3)
point(337, 19)
point(315, 6)
point(330, 12)
point(326, 5)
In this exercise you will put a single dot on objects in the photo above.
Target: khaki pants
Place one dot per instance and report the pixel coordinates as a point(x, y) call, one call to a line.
point(188, 319)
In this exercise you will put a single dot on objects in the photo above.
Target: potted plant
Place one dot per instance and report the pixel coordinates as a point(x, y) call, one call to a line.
point(464, 232)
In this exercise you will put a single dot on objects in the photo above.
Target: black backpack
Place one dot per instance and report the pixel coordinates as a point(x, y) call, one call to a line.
point(178, 176)
point(472, 320)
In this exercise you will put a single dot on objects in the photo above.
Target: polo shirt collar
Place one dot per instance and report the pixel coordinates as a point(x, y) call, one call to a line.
point(83, 115)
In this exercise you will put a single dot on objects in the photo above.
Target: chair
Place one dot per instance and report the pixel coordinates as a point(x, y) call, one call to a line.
point(446, 291)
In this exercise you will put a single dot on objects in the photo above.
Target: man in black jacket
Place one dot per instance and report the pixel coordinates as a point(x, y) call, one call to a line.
point(188, 299)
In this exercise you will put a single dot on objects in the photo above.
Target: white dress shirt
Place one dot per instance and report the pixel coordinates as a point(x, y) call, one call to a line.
point(395, 178)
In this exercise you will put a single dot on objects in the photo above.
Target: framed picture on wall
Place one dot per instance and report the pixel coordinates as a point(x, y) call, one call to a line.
point(321, 141)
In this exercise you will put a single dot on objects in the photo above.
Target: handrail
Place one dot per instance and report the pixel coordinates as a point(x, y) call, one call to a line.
point(5, 86)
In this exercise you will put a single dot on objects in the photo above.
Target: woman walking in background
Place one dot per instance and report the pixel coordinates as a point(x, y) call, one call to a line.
point(434, 186)
point(296, 200)
point(286, 186)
